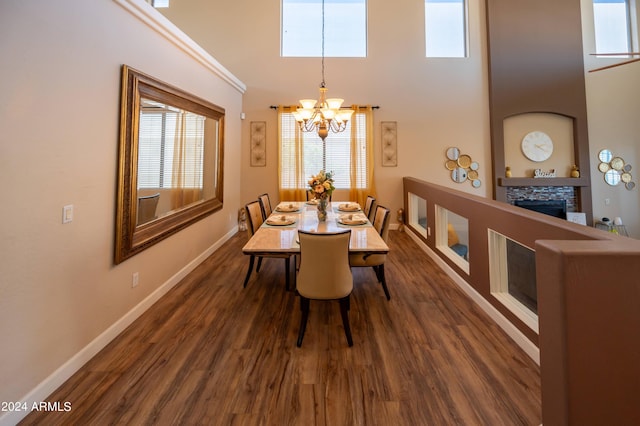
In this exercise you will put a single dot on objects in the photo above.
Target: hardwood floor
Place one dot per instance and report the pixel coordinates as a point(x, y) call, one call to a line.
point(211, 352)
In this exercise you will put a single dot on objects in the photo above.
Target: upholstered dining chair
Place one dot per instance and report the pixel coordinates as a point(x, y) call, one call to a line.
point(265, 205)
point(324, 274)
point(254, 221)
point(147, 207)
point(381, 219)
point(368, 206)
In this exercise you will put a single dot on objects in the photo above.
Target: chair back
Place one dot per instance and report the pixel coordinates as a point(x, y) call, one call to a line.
point(265, 205)
point(147, 208)
point(381, 220)
point(254, 217)
point(324, 265)
point(368, 206)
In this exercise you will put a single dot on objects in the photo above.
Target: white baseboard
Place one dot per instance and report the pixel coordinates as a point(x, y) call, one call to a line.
point(516, 335)
point(66, 370)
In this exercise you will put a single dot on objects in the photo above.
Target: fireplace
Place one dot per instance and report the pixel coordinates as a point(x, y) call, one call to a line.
point(556, 208)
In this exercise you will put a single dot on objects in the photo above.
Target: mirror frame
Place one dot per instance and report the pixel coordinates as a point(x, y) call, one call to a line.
point(131, 238)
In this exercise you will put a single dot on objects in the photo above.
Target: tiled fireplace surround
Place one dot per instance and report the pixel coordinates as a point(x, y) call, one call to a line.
point(567, 193)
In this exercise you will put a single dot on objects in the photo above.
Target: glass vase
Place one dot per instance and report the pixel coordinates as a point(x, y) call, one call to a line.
point(322, 209)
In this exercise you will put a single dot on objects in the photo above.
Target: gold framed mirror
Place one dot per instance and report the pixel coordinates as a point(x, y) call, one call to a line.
point(170, 171)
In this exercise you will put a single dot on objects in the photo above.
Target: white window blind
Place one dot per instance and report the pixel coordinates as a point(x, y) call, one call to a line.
point(337, 154)
point(170, 156)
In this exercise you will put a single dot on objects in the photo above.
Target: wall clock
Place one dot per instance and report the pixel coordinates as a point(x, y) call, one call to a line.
point(537, 146)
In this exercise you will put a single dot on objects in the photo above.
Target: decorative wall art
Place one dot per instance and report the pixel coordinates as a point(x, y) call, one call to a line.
point(389, 132)
point(462, 167)
point(615, 170)
point(258, 136)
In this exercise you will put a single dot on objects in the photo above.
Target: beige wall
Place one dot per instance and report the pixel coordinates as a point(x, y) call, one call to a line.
point(613, 104)
point(59, 120)
point(437, 103)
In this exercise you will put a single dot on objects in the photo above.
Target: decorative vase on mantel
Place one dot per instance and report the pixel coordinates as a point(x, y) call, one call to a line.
point(322, 209)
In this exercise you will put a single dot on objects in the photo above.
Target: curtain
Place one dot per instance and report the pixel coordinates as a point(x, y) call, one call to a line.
point(186, 179)
point(362, 156)
point(292, 182)
point(291, 177)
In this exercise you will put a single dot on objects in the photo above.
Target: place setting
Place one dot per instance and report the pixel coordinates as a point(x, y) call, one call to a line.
point(287, 208)
point(349, 207)
point(280, 220)
point(352, 219)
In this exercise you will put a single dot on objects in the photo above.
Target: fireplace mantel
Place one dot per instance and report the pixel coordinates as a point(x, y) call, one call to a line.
point(523, 181)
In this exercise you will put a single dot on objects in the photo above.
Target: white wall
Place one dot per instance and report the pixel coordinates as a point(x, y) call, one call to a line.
point(437, 103)
point(59, 121)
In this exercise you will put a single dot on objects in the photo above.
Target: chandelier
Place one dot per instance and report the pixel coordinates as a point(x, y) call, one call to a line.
point(325, 115)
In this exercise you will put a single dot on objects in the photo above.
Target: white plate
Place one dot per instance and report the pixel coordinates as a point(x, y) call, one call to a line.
point(280, 221)
point(349, 207)
point(288, 208)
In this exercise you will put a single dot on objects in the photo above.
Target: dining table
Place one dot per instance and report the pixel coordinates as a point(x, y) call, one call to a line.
point(278, 235)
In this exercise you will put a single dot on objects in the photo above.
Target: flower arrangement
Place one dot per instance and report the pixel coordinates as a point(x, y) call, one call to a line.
point(321, 185)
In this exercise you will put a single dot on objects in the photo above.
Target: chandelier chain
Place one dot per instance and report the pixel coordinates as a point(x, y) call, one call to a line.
point(323, 83)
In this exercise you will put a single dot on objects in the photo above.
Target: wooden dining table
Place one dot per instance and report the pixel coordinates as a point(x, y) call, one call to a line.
point(278, 235)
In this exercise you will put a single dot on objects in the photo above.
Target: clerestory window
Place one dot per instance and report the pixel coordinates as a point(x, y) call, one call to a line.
point(613, 26)
point(345, 23)
point(445, 28)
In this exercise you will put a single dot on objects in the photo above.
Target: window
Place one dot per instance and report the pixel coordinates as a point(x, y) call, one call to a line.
point(159, 3)
point(612, 26)
point(333, 155)
point(445, 28)
point(345, 23)
point(166, 138)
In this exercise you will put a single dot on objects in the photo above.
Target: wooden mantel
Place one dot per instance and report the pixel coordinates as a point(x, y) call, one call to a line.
point(523, 181)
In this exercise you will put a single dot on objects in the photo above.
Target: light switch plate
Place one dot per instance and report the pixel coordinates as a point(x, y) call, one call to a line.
point(67, 213)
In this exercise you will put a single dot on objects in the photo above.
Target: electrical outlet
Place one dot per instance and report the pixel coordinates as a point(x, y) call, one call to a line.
point(134, 280)
point(607, 201)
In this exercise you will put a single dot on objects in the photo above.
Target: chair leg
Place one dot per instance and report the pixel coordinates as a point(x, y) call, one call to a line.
point(383, 281)
point(344, 311)
point(287, 273)
point(246, 279)
point(304, 307)
point(379, 269)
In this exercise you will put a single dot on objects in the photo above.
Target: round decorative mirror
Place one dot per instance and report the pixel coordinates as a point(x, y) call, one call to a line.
point(459, 175)
point(453, 153)
point(605, 155)
point(612, 177)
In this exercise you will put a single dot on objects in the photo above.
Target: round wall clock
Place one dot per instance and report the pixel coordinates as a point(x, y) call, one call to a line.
point(537, 146)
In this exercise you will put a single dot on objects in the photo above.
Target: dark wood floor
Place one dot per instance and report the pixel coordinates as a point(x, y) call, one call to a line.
point(211, 352)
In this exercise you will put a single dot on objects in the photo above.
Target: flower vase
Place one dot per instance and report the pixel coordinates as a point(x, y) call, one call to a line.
point(322, 209)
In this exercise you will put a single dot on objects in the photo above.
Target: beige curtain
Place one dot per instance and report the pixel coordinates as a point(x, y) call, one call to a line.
point(187, 161)
point(291, 179)
point(361, 156)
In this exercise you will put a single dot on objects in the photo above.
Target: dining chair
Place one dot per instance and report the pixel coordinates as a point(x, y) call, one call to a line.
point(255, 219)
point(381, 219)
point(265, 205)
point(368, 206)
point(324, 274)
point(147, 207)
